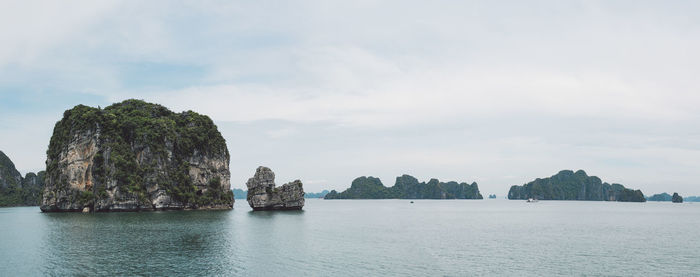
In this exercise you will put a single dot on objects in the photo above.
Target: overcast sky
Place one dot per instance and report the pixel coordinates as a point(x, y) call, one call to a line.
point(496, 92)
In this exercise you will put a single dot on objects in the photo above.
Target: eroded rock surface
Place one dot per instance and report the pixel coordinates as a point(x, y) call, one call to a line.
point(135, 156)
point(263, 195)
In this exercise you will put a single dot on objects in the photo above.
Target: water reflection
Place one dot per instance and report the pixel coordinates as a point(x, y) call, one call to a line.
point(138, 243)
point(359, 238)
point(272, 214)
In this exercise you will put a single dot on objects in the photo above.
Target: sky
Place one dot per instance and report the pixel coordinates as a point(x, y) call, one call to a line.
point(493, 92)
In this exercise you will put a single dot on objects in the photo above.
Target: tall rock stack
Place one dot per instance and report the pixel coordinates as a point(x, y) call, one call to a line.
point(263, 195)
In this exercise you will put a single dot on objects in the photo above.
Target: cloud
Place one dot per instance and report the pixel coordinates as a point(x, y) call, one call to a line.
point(469, 91)
point(406, 99)
point(30, 30)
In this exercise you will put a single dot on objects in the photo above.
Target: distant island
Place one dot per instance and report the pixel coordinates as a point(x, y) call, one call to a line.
point(569, 185)
point(240, 194)
point(16, 190)
point(406, 187)
point(492, 196)
point(691, 199)
point(661, 197)
point(321, 194)
point(135, 156)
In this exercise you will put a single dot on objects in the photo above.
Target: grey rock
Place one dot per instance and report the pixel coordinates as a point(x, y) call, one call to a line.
point(263, 195)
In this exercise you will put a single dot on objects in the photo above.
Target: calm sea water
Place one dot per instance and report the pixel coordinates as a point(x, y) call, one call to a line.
point(361, 238)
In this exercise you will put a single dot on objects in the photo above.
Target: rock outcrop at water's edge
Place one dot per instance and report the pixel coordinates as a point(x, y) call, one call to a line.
point(569, 185)
point(135, 156)
point(263, 195)
point(676, 198)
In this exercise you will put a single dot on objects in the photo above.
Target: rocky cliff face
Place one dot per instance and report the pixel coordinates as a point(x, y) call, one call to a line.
point(18, 191)
point(135, 156)
point(569, 185)
point(8, 173)
point(263, 195)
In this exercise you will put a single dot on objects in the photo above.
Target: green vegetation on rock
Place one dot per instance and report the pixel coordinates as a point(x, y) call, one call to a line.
point(18, 191)
point(406, 187)
point(569, 185)
point(134, 150)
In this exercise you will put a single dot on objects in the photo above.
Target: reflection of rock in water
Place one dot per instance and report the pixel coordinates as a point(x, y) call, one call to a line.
point(171, 243)
point(263, 195)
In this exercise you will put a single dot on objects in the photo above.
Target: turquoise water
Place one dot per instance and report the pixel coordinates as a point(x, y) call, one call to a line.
point(361, 238)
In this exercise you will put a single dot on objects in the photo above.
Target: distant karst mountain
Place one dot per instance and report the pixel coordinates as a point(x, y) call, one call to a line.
point(321, 194)
point(135, 156)
point(240, 194)
point(16, 190)
point(569, 185)
point(406, 187)
point(661, 197)
point(692, 199)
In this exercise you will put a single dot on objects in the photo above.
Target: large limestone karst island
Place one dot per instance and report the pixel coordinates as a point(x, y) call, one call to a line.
point(569, 185)
point(406, 187)
point(135, 156)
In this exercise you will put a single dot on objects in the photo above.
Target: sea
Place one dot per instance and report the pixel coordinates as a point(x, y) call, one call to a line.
point(361, 238)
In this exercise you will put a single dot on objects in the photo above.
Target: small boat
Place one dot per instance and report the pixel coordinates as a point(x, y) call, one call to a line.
point(411, 202)
point(530, 200)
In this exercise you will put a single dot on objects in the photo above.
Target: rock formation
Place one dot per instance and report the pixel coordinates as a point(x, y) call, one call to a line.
point(18, 191)
point(406, 187)
point(660, 197)
point(676, 198)
point(134, 156)
point(263, 195)
point(569, 185)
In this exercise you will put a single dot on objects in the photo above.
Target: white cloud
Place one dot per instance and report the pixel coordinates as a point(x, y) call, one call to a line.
point(31, 29)
point(405, 99)
point(495, 90)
